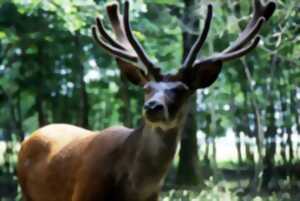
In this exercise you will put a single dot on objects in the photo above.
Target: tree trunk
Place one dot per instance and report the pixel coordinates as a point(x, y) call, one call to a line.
point(237, 130)
point(206, 152)
point(83, 96)
point(239, 154)
point(83, 102)
point(290, 145)
point(249, 153)
point(246, 124)
point(283, 146)
point(40, 110)
point(270, 146)
point(40, 89)
point(19, 126)
point(16, 116)
point(188, 172)
point(257, 179)
point(12, 113)
point(271, 129)
point(295, 106)
point(124, 110)
point(213, 130)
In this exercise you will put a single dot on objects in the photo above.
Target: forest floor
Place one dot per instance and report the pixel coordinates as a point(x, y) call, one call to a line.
point(230, 187)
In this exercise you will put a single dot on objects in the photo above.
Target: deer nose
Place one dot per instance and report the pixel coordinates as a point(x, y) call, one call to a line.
point(153, 106)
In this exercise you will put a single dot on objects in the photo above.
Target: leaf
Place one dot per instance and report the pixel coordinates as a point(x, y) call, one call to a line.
point(163, 1)
point(2, 34)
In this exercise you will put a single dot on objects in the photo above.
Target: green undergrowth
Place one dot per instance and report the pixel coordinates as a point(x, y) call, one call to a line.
point(222, 192)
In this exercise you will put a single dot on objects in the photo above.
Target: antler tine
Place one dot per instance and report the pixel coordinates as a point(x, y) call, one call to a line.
point(238, 53)
point(118, 48)
point(137, 46)
point(192, 55)
point(238, 49)
point(245, 37)
point(261, 10)
point(261, 14)
point(114, 51)
point(106, 36)
point(113, 11)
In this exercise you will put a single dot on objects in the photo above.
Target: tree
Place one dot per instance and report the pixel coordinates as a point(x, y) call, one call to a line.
point(188, 172)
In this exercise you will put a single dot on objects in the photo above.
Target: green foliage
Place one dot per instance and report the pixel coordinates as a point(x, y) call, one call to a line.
point(9, 160)
point(219, 192)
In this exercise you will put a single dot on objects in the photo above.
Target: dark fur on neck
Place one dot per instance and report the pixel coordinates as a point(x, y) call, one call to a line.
point(143, 161)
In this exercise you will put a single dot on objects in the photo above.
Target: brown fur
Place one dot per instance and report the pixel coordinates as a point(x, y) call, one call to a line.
point(61, 162)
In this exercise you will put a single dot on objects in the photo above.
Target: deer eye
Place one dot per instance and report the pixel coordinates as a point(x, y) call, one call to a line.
point(181, 88)
point(147, 88)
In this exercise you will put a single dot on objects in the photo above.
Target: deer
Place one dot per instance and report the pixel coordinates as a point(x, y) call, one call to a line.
point(61, 162)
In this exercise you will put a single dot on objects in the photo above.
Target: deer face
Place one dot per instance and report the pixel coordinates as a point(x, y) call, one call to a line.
point(164, 101)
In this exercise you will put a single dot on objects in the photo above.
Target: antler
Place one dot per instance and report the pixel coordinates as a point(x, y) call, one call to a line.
point(248, 35)
point(126, 47)
point(192, 55)
point(203, 72)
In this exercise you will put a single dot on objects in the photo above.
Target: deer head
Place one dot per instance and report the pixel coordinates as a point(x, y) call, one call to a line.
point(165, 95)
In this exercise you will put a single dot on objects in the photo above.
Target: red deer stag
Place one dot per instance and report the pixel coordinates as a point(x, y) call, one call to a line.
point(62, 162)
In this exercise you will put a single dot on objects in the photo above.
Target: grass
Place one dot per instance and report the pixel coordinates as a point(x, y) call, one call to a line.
point(223, 192)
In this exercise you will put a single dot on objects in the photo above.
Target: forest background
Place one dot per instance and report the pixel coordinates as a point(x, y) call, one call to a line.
point(241, 140)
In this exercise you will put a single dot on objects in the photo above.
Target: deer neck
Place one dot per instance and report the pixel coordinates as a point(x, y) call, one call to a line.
point(151, 148)
point(146, 156)
point(157, 146)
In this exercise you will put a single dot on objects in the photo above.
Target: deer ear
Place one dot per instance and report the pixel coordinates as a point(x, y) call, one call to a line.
point(202, 74)
point(132, 73)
